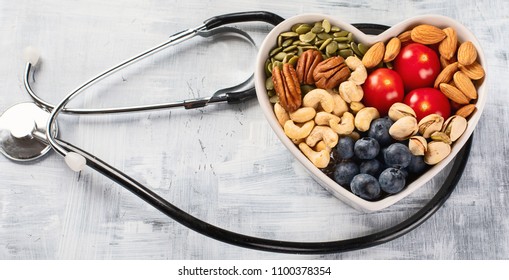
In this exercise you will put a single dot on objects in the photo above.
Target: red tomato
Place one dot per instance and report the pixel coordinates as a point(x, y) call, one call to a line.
point(427, 101)
point(418, 66)
point(382, 88)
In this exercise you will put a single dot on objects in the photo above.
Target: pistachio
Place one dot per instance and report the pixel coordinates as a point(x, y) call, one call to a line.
point(454, 127)
point(436, 152)
point(441, 136)
point(404, 128)
point(417, 145)
point(399, 110)
point(429, 124)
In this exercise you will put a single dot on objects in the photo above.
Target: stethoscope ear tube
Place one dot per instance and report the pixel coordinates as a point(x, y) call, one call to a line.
point(262, 16)
point(279, 246)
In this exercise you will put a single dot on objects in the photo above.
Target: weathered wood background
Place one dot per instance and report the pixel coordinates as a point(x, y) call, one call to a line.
point(223, 164)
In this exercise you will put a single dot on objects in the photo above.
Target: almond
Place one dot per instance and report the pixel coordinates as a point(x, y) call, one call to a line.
point(427, 34)
point(446, 75)
point(454, 93)
point(467, 53)
point(405, 37)
point(466, 110)
point(474, 71)
point(464, 84)
point(448, 46)
point(374, 55)
point(444, 61)
point(392, 49)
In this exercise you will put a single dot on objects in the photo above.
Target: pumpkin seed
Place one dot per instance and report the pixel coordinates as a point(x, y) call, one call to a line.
point(343, 33)
point(350, 37)
point(271, 93)
point(324, 36)
point(289, 34)
point(317, 29)
point(362, 48)
point(326, 26)
point(346, 53)
point(275, 51)
point(303, 29)
point(342, 46)
point(289, 49)
point(277, 64)
point(274, 99)
point(341, 39)
point(325, 44)
point(308, 37)
point(319, 42)
point(268, 68)
point(280, 56)
point(269, 84)
point(279, 40)
point(293, 60)
point(335, 29)
point(295, 26)
point(286, 43)
point(332, 47)
point(354, 48)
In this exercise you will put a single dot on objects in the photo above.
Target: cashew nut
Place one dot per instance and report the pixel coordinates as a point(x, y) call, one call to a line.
point(319, 96)
point(319, 159)
point(364, 117)
point(346, 126)
point(356, 107)
point(340, 105)
point(303, 114)
point(324, 133)
point(359, 73)
point(324, 118)
point(350, 92)
point(281, 114)
point(294, 131)
point(320, 146)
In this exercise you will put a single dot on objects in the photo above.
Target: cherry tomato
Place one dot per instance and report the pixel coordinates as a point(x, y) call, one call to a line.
point(418, 66)
point(382, 88)
point(427, 101)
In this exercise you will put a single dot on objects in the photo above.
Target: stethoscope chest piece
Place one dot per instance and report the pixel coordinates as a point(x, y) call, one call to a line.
point(23, 132)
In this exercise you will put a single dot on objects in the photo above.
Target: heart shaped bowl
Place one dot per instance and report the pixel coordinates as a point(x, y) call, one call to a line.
point(338, 191)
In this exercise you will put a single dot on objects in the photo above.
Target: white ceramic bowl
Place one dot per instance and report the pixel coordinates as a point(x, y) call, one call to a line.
point(358, 203)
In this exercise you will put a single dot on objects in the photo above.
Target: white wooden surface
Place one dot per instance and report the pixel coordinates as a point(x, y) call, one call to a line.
point(223, 164)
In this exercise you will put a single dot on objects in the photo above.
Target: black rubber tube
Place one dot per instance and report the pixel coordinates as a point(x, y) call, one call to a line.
point(262, 16)
point(280, 246)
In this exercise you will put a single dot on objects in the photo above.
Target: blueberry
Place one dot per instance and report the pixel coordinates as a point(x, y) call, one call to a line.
point(392, 180)
point(366, 148)
point(344, 173)
point(417, 165)
point(344, 148)
point(372, 167)
point(397, 155)
point(379, 130)
point(365, 186)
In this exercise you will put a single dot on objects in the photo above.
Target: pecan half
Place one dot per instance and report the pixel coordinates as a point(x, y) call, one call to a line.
point(331, 72)
point(307, 64)
point(287, 87)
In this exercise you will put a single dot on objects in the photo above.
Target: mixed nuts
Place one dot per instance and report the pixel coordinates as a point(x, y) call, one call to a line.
point(316, 77)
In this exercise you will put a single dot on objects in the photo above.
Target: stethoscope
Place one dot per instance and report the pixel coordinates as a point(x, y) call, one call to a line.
point(28, 131)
